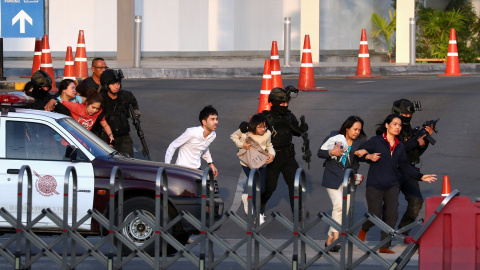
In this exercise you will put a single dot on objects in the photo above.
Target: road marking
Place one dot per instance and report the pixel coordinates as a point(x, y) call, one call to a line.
point(366, 81)
point(237, 200)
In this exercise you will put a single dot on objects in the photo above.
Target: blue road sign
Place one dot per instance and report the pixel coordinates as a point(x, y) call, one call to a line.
point(22, 18)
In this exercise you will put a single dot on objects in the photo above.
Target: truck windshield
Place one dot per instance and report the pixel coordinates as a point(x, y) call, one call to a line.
point(90, 141)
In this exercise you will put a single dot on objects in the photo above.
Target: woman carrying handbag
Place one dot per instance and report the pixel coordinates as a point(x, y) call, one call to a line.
point(256, 149)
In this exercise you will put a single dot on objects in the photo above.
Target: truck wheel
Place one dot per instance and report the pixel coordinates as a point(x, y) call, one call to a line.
point(139, 232)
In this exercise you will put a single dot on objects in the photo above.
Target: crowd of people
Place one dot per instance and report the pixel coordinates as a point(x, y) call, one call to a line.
point(264, 143)
point(98, 103)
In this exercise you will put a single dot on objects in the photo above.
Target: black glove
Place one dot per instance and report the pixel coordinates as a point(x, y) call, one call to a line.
point(243, 127)
point(303, 127)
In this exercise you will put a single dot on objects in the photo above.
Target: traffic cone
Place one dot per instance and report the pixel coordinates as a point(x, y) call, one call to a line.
point(69, 71)
point(37, 57)
point(453, 68)
point(81, 67)
point(446, 186)
point(306, 81)
point(46, 61)
point(363, 66)
point(264, 105)
point(275, 65)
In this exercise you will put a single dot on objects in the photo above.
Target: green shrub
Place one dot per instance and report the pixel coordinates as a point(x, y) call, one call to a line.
point(433, 32)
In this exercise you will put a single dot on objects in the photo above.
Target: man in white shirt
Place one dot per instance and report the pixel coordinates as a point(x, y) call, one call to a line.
point(194, 142)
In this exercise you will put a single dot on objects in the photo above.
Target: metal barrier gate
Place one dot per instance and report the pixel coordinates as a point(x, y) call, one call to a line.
point(299, 239)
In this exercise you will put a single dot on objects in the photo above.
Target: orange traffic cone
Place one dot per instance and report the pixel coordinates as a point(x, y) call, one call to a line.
point(37, 57)
point(81, 67)
point(264, 105)
point(275, 65)
point(453, 68)
point(363, 66)
point(46, 61)
point(69, 71)
point(306, 81)
point(446, 186)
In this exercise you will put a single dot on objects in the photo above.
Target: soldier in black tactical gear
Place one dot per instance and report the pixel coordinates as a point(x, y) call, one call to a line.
point(116, 104)
point(42, 84)
point(283, 125)
point(414, 147)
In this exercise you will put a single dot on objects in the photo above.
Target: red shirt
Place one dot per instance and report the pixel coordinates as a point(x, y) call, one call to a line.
point(78, 113)
point(392, 147)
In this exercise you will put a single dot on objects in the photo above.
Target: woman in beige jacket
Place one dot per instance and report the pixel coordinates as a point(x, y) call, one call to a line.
point(257, 130)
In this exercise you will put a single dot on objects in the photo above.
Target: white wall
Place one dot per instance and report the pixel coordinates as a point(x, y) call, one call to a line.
point(172, 27)
point(96, 18)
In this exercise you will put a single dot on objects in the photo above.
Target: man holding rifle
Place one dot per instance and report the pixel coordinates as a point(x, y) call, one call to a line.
point(116, 106)
point(415, 146)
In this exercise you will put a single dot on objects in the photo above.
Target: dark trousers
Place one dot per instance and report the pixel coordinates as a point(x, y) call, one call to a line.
point(123, 144)
point(377, 201)
point(263, 174)
point(411, 189)
point(286, 164)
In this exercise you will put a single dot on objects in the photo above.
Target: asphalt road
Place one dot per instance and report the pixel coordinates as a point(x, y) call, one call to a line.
point(170, 106)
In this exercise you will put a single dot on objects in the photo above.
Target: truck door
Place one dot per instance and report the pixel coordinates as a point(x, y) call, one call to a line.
point(42, 146)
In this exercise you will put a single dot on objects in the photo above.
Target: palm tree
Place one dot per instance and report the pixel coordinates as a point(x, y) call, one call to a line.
point(386, 29)
point(434, 27)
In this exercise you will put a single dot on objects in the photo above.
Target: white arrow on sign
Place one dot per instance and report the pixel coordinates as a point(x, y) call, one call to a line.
point(22, 16)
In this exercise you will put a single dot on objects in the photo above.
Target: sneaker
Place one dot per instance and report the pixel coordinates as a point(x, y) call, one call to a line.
point(261, 219)
point(245, 202)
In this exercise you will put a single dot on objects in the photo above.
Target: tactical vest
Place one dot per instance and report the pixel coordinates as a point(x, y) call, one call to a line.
point(116, 114)
point(280, 126)
point(413, 156)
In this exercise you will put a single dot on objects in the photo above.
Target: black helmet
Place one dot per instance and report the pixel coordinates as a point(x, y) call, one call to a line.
point(403, 106)
point(41, 78)
point(110, 76)
point(278, 94)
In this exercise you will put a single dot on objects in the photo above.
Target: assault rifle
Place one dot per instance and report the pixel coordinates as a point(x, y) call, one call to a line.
point(418, 132)
point(136, 124)
point(307, 154)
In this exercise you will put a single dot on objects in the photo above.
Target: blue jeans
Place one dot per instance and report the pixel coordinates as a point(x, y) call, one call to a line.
point(263, 175)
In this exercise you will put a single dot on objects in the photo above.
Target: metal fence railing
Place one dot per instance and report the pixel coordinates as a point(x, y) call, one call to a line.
point(298, 240)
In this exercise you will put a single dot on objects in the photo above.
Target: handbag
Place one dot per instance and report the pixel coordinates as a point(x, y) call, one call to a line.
point(255, 156)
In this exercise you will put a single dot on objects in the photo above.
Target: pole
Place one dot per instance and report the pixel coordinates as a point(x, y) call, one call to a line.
point(287, 24)
point(2, 78)
point(137, 44)
point(413, 52)
point(46, 16)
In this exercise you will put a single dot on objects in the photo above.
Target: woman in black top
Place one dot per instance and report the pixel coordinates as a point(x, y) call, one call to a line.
point(383, 179)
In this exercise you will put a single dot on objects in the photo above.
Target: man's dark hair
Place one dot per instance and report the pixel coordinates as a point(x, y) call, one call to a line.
point(206, 112)
point(256, 120)
point(349, 123)
point(97, 59)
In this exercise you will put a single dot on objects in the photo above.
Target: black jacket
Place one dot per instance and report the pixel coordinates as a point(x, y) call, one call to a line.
point(385, 173)
point(334, 169)
point(117, 112)
point(42, 97)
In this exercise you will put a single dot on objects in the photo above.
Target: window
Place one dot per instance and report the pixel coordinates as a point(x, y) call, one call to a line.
point(26, 140)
